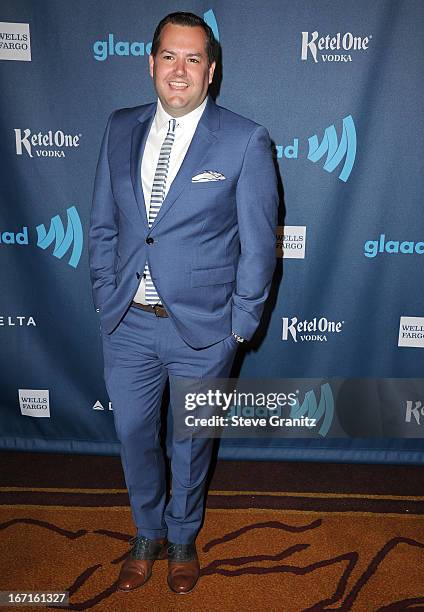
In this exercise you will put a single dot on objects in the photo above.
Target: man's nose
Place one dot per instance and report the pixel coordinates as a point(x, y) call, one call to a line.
point(180, 67)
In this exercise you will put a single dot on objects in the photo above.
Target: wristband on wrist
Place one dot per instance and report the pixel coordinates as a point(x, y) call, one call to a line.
point(237, 337)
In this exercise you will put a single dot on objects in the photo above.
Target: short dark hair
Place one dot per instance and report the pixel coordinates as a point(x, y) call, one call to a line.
point(191, 20)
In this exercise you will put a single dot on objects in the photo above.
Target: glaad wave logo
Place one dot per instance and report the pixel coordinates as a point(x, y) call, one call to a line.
point(210, 19)
point(316, 330)
point(324, 409)
point(63, 240)
point(336, 151)
point(102, 49)
point(319, 47)
point(50, 144)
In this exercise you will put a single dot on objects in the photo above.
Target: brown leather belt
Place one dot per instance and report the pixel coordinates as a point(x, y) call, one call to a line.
point(157, 310)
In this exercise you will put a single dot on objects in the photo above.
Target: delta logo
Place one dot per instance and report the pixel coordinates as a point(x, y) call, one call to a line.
point(339, 152)
point(99, 406)
point(65, 241)
point(103, 49)
point(17, 321)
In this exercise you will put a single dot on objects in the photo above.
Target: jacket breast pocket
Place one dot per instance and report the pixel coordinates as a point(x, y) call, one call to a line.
point(212, 276)
point(195, 186)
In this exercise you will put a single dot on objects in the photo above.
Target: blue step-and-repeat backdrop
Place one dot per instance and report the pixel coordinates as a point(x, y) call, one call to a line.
point(339, 86)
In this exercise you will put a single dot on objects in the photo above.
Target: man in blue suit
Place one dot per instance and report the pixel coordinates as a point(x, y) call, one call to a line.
point(182, 252)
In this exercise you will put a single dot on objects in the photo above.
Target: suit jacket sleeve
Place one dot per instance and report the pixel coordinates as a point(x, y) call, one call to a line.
point(103, 233)
point(257, 208)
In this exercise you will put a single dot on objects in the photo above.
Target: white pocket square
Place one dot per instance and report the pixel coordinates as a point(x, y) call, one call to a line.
point(208, 175)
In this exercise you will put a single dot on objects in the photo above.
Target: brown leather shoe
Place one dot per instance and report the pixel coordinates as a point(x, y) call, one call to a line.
point(137, 568)
point(183, 567)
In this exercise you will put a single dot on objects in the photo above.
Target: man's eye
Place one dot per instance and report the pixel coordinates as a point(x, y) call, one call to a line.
point(194, 60)
point(167, 57)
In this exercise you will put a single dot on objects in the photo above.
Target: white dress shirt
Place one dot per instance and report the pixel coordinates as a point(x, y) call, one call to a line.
point(184, 132)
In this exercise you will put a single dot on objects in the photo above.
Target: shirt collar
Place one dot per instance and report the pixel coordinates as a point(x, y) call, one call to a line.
point(190, 119)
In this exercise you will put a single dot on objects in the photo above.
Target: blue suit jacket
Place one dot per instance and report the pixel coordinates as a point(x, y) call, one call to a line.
point(213, 251)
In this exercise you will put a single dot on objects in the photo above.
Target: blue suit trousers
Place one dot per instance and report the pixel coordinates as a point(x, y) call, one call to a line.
point(139, 356)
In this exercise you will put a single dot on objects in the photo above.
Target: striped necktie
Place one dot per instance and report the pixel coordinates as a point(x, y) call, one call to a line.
point(156, 199)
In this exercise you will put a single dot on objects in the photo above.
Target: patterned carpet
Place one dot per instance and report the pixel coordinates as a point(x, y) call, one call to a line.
point(259, 550)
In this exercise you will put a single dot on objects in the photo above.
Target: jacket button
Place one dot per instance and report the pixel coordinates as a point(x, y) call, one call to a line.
point(149, 240)
point(137, 274)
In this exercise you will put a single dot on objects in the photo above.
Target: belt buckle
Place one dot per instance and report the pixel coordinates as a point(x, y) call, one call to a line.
point(155, 307)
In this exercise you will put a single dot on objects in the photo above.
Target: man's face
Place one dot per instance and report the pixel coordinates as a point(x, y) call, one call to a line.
point(180, 69)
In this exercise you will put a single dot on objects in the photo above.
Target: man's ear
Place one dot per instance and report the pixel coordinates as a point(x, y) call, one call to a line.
point(211, 71)
point(151, 64)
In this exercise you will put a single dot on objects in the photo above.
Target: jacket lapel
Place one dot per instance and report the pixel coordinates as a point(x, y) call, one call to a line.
point(138, 143)
point(203, 138)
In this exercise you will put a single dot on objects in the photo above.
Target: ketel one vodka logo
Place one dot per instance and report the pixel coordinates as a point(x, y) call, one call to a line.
point(338, 153)
point(47, 144)
point(414, 412)
point(315, 330)
point(332, 48)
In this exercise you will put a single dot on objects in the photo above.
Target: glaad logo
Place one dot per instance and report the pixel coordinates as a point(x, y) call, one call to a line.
point(14, 237)
point(63, 241)
point(73, 237)
point(411, 332)
point(50, 144)
point(15, 43)
point(373, 247)
point(324, 409)
point(99, 406)
point(319, 47)
point(34, 402)
point(102, 49)
point(316, 330)
point(336, 151)
point(414, 410)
